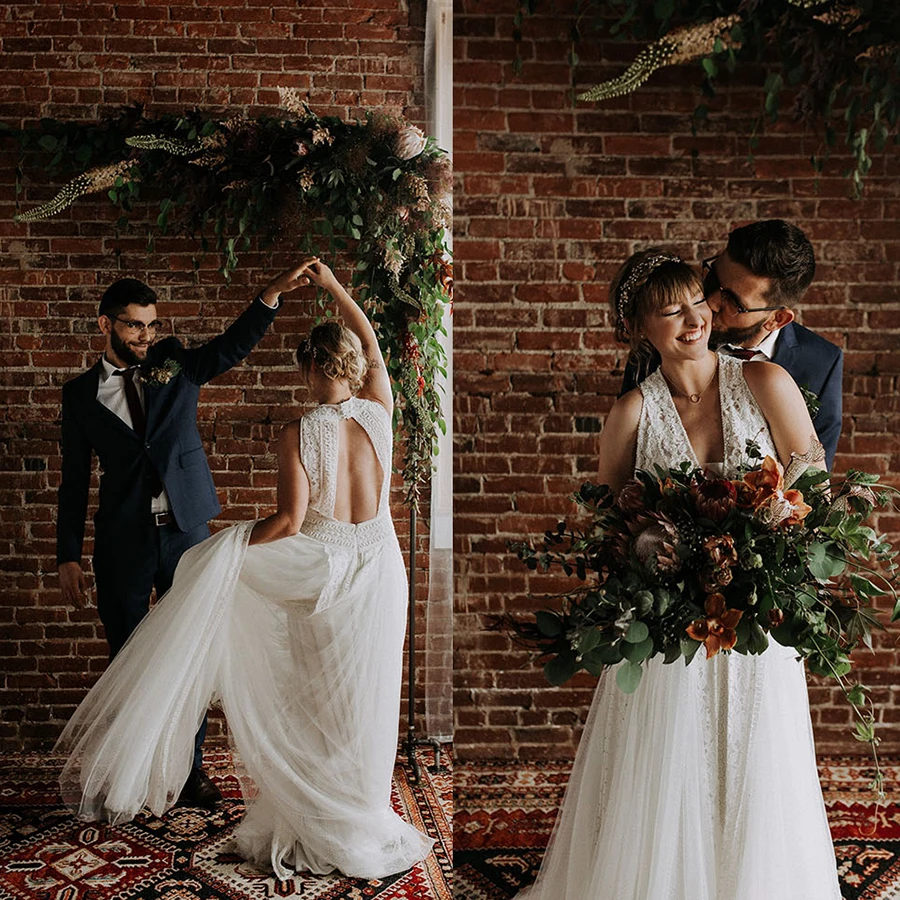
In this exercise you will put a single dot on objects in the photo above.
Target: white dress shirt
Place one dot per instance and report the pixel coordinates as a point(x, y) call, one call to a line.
point(111, 393)
point(765, 350)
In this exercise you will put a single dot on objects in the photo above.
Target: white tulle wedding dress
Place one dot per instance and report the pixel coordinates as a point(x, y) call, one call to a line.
point(702, 785)
point(301, 641)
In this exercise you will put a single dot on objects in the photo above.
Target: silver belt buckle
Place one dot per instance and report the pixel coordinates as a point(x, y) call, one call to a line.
point(162, 518)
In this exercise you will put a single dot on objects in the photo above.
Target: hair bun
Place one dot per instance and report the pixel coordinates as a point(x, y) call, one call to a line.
point(337, 352)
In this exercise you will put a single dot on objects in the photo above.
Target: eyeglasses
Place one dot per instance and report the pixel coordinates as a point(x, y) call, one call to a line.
point(135, 327)
point(711, 285)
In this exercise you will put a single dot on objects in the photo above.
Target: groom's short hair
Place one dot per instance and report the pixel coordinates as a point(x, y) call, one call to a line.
point(776, 250)
point(124, 292)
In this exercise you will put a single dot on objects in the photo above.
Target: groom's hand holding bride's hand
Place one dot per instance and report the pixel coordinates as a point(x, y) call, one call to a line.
point(287, 281)
point(73, 584)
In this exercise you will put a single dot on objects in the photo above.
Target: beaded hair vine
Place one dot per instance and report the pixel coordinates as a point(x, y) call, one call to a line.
point(306, 348)
point(641, 270)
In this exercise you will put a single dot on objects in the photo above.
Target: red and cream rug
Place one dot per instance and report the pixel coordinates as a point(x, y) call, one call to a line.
point(46, 854)
point(505, 813)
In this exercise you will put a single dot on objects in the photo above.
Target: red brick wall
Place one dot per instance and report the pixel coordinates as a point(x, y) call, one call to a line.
point(550, 199)
point(72, 61)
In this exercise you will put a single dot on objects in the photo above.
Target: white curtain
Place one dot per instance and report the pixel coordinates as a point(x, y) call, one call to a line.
point(438, 669)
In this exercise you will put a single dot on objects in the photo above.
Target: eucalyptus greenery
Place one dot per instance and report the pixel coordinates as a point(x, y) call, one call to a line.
point(839, 61)
point(375, 190)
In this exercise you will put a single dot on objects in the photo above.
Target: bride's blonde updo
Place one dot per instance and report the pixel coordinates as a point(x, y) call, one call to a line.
point(648, 281)
point(337, 352)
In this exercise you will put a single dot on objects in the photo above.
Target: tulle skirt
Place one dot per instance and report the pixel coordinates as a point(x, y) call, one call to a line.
point(301, 642)
point(702, 785)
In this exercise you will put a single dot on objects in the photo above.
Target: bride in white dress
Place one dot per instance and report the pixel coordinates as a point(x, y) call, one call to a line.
point(295, 623)
point(702, 785)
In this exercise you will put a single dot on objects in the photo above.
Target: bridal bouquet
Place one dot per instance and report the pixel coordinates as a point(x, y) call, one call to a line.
point(682, 560)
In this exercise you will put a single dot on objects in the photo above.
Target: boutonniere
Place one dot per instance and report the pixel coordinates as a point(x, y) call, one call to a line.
point(811, 399)
point(162, 375)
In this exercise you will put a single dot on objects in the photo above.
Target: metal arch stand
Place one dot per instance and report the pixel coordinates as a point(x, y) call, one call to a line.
point(412, 741)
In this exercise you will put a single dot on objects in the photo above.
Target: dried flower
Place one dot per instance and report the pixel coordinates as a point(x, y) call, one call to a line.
point(714, 498)
point(658, 543)
point(291, 100)
point(721, 551)
point(632, 496)
point(321, 135)
point(410, 142)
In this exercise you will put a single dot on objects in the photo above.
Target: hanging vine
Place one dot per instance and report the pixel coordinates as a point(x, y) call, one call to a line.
point(841, 60)
point(376, 189)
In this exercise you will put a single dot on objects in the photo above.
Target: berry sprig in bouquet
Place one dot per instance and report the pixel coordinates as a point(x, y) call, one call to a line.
point(682, 560)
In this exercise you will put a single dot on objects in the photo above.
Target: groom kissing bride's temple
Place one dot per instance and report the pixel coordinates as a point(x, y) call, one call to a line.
point(752, 287)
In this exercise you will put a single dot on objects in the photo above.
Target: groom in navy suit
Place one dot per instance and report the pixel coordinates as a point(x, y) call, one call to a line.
point(137, 410)
point(751, 287)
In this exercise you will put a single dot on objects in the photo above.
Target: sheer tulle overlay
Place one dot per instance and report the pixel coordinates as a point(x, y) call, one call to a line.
point(702, 785)
point(301, 641)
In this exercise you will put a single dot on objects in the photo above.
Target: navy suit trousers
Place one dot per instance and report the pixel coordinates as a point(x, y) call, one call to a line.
point(127, 566)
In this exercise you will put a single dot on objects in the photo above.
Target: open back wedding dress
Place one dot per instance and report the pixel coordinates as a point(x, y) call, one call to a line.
point(301, 641)
point(702, 785)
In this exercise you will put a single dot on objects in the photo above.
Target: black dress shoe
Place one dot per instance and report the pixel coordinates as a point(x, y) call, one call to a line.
point(199, 790)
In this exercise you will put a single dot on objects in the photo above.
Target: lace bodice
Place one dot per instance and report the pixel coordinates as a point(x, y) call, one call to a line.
point(319, 449)
point(663, 441)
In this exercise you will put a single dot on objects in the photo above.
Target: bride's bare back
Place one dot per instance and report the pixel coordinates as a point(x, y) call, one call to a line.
point(359, 475)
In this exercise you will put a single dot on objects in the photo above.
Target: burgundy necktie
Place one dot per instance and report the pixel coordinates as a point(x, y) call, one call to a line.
point(138, 421)
point(741, 352)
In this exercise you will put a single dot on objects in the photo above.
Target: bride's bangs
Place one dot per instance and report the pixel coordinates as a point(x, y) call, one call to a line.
point(667, 286)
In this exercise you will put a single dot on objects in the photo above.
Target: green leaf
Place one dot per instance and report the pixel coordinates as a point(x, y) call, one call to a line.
point(637, 652)
point(549, 623)
point(823, 561)
point(637, 632)
point(628, 677)
point(560, 669)
point(663, 9)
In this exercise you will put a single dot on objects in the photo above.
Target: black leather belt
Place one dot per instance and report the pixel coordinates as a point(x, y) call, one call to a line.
point(163, 518)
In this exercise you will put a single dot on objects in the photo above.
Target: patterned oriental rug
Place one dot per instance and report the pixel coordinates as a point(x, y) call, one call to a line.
point(505, 813)
point(46, 854)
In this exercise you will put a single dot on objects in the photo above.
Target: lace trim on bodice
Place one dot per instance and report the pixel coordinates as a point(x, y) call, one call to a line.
point(344, 534)
point(319, 450)
point(662, 439)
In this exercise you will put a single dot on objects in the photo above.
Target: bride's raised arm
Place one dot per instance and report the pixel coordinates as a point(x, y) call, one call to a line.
point(618, 441)
point(785, 410)
point(377, 384)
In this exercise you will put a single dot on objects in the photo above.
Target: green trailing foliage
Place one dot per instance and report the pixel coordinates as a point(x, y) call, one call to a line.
point(375, 191)
point(839, 61)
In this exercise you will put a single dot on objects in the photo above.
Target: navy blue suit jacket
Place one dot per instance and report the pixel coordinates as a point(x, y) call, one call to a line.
point(815, 364)
point(171, 445)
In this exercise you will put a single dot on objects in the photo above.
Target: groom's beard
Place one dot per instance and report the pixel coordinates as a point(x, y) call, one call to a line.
point(737, 336)
point(124, 352)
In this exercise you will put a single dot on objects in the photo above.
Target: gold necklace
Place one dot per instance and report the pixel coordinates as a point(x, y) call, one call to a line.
point(694, 398)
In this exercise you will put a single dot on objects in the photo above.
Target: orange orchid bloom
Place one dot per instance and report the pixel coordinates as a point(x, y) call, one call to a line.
point(716, 631)
point(801, 510)
point(762, 483)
